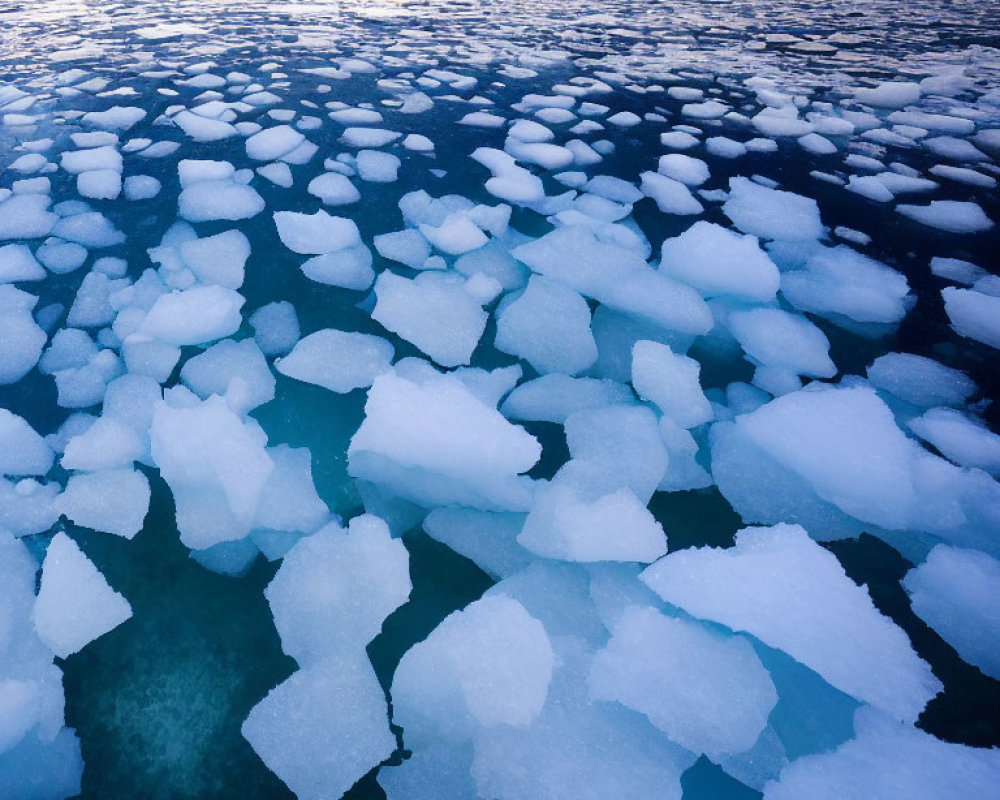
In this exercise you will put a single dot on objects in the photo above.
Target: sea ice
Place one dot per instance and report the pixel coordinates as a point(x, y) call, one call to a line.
point(779, 585)
point(337, 360)
point(75, 604)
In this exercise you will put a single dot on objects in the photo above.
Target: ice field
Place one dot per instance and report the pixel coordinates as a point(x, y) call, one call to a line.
point(499, 400)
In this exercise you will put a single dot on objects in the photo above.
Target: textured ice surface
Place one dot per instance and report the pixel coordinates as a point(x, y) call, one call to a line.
point(549, 327)
point(215, 465)
point(75, 605)
point(434, 312)
point(923, 766)
point(337, 360)
point(708, 692)
point(114, 501)
point(436, 443)
point(717, 261)
point(954, 592)
point(323, 728)
point(671, 382)
point(335, 587)
point(487, 665)
point(786, 590)
point(771, 213)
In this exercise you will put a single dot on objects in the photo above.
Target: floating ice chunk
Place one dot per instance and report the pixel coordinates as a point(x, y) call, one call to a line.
point(435, 442)
point(456, 235)
point(407, 247)
point(825, 437)
point(113, 501)
point(334, 189)
point(356, 116)
point(99, 184)
point(418, 143)
point(670, 196)
point(141, 187)
point(615, 526)
point(192, 171)
point(487, 665)
point(107, 444)
point(953, 216)
point(614, 189)
point(368, 137)
point(552, 398)
point(959, 439)
point(923, 766)
point(544, 154)
point(710, 109)
point(920, 380)
point(334, 589)
point(289, 502)
point(315, 234)
point(771, 213)
point(337, 360)
point(969, 177)
point(432, 311)
point(61, 257)
point(116, 118)
point(678, 140)
point(194, 316)
point(680, 675)
point(325, 727)
point(616, 277)
point(203, 129)
point(235, 370)
point(273, 143)
point(671, 381)
point(717, 261)
point(276, 327)
point(207, 200)
point(871, 187)
point(22, 450)
point(215, 465)
point(21, 340)
point(90, 229)
point(955, 149)
point(786, 341)
point(495, 261)
point(75, 605)
point(377, 167)
point(780, 586)
point(17, 264)
point(686, 169)
point(26, 216)
point(614, 447)
point(625, 119)
point(973, 314)
point(482, 119)
point(576, 749)
point(953, 591)
point(277, 173)
point(548, 325)
point(841, 281)
point(817, 145)
point(891, 94)
point(218, 259)
point(349, 268)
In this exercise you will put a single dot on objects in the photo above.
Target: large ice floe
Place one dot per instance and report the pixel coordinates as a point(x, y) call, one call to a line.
point(499, 401)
